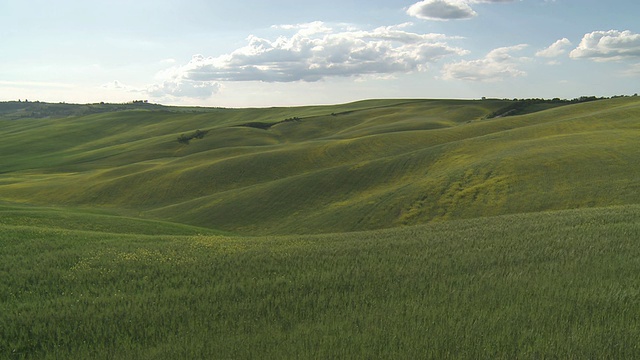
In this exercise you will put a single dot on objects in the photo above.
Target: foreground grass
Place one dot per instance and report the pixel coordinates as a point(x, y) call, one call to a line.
point(559, 285)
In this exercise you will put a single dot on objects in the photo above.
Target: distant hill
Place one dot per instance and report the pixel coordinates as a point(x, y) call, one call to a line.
point(36, 109)
point(317, 169)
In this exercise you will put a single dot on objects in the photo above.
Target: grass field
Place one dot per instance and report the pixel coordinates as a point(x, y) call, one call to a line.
point(360, 166)
point(551, 284)
point(377, 229)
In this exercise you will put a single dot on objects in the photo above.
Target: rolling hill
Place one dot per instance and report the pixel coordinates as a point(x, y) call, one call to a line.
point(377, 229)
point(317, 169)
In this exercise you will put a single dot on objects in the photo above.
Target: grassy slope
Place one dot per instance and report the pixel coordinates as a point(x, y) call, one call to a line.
point(359, 166)
point(543, 285)
point(91, 221)
point(78, 283)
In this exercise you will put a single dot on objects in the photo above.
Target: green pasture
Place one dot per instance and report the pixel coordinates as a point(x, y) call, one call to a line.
point(544, 285)
point(390, 229)
point(352, 167)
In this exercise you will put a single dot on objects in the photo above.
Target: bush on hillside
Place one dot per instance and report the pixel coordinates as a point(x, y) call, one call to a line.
point(198, 134)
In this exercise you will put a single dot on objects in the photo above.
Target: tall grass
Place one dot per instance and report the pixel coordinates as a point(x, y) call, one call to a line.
point(545, 285)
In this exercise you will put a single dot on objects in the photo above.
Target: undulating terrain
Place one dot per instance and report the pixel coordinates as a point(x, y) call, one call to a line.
point(360, 166)
point(376, 229)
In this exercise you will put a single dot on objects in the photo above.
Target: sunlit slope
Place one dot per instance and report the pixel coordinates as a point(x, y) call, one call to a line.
point(357, 166)
point(36, 219)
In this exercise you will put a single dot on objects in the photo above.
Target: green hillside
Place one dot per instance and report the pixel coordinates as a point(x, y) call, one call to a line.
point(363, 165)
point(541, 285)
point(91, 221)
point(394, 229)
point(317, 169)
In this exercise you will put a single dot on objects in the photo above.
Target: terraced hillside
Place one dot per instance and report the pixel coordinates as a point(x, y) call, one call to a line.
point(318, 169)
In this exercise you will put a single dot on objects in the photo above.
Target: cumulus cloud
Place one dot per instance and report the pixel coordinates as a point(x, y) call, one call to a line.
point(497, 65)
point(556, 49)
point(441, 10)
point(315, 51)
point(608, 45)
point(172, 87)
point(447, 9)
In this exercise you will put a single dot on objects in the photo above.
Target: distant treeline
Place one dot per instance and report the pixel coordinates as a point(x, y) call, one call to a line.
point(22, 109)
point(26, 109)
point(36, 110)
point(525, 106)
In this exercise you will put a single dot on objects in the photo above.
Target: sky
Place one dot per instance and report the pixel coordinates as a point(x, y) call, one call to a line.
point(258, 53)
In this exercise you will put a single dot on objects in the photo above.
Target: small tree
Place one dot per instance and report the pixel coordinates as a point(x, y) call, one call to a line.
point(183, 139)
point(199, 134)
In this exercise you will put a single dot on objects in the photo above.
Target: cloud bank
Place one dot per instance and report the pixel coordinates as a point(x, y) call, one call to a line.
point(497, 65)
point(180, 87)
point(314, 52)
point(608, 45)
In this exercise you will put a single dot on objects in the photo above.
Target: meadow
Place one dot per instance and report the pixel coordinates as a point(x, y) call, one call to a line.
point(352, 167)
point(551, 284)
point(377, 229)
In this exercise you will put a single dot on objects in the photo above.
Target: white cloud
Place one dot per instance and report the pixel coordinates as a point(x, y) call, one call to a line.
point(556, 49)
point(447, 9)
point(314, 52)
point(441, 10)
point(172, 87)
point(179, 87)
point(608, 45)
point(499, 64)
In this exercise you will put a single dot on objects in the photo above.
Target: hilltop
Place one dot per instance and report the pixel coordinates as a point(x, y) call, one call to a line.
point(317, 169)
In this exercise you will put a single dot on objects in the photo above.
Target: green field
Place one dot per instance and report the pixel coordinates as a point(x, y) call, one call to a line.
point(376, 229)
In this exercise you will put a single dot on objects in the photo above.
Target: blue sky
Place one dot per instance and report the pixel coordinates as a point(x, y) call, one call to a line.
point(285, 52)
